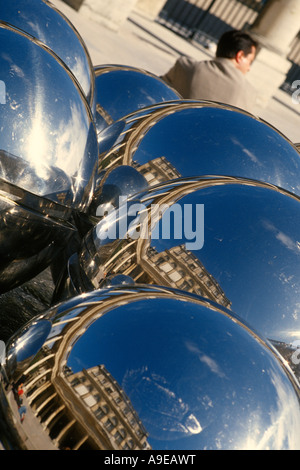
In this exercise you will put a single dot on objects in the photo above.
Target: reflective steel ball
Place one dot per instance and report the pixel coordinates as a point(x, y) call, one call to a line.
point(43, 21)
point(234, 241)
point(47, 135)
point(48, 156)
point(196, 138)
point(121, 90)
point(143, 367)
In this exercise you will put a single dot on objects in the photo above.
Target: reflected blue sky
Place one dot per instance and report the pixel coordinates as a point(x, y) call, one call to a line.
point(49, 127)
point(252, 248)
point(44, 22)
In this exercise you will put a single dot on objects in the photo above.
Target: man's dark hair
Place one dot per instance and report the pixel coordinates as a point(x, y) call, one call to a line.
point(231, 42)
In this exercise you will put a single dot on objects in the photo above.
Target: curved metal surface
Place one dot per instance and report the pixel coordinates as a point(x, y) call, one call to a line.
point(234, 241)
point(48, 138)
point(194, 138)
point(20, 305)
point(146, 368)
point(48, 157)
point(113, 186)
point(34, 231)
point(42, 20)
point(161, 343)
point(121, 89)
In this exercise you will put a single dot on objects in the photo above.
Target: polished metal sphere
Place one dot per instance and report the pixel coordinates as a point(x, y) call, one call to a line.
point(47, 135)
point(122, 89)
point(111, 187)
point(143, 367)
point(234, 241)
point(33, 232)
point(195, 138)
point(43, 21)
point(48, 156)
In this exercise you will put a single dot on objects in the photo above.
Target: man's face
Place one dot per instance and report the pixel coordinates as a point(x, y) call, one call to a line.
point(244, 62)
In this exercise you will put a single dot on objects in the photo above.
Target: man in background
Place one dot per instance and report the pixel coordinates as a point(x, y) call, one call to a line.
point(222, 79)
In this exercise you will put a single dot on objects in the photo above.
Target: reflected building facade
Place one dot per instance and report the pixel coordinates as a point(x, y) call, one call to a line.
point(176, 267)
point(83, 410)
point(104, 397)
point(158, 170)
point(110, 376)
point(200, 138)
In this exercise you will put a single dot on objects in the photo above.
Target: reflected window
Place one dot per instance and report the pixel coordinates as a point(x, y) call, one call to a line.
point(81, 389)
point(101, 411)
point(166, 267)
point(129, 445)
point(120, 435)
point(111, 423)
point(90, 401)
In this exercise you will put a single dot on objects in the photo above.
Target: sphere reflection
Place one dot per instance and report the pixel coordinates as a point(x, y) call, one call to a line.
point(153, 368)
point(193, 138)
point(121, 90)
point(233, 241)
point(114, 186)
point(48, 157)
point(42, 20)
point(48, 139)
point(33, 232)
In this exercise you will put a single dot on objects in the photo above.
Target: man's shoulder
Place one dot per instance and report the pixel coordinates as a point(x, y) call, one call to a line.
point(211, 66)
point(186, 61)
point(211, 69)
point(219, 64)
point(197, 65)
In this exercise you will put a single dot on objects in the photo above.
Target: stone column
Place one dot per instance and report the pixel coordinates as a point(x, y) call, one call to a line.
point(112, 13)
point(274, 29)
point(278, 24)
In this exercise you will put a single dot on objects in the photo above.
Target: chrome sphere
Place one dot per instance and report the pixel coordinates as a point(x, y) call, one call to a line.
point(47, 135)
point(121, 90)
point(33, 232)
point(113, 186)
point(48, 156)
point(194, 138)
point(42, 20)
point(146, 368)
point(233, 241)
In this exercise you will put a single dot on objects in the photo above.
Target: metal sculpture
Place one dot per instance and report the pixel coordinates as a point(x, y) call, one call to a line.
point(143, 367)
point(192, 138)
point(49, 156)
point(44, 22)
point(210, 236)
point(121, 90)
point(149, 257)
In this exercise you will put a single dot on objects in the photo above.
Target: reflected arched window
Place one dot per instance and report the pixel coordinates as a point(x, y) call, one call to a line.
point(111, 423)
point(101, 411)
point(120, 435)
